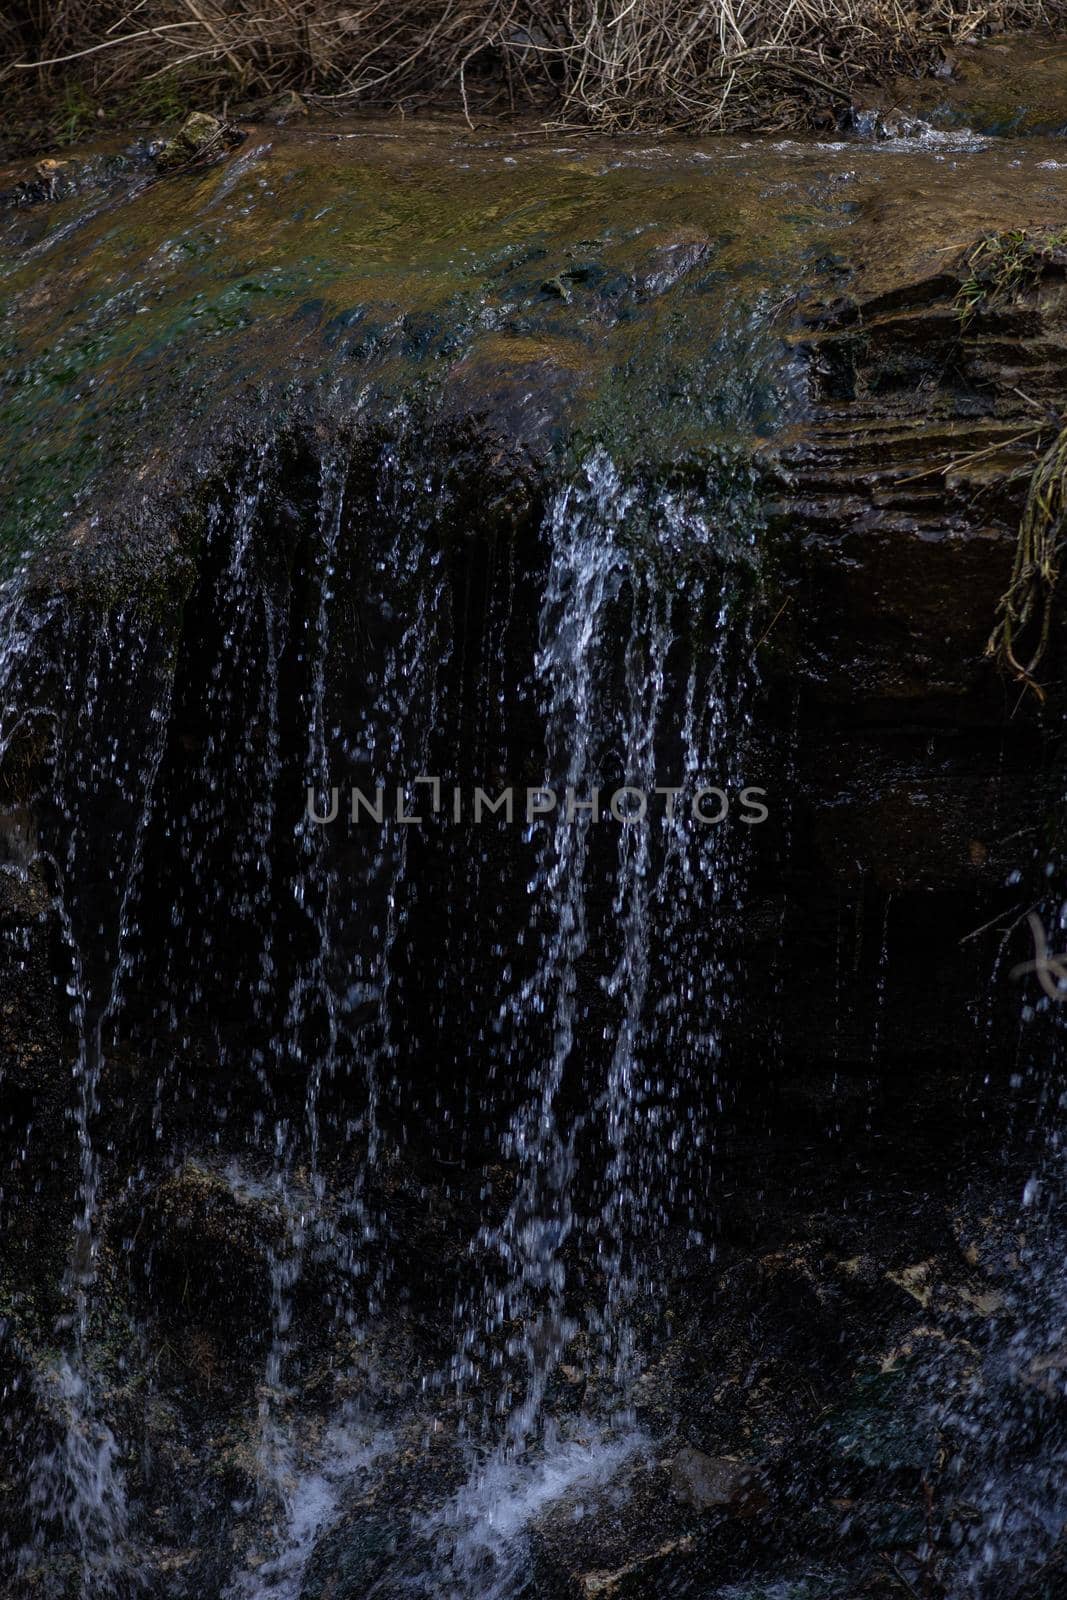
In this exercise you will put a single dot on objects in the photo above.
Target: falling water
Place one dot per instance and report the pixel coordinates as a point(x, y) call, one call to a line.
point(612, 1033)
point(394, 1146)
point(603, 586)
point(76, 1477)
point(633, 577)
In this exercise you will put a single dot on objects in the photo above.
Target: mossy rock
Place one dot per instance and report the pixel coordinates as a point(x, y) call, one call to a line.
point(1015, 85)
point(880, 1424)
point(353, 1557)
point(201, 137)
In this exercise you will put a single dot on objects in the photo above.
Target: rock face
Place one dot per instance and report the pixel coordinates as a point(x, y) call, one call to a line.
point(916, 765)
point(297, 443)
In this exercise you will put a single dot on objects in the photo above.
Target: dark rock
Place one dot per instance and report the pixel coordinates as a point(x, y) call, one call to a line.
point(717, 1483)
point(201, 1250)
point(900, 498)
point(879, 1425)
point(666, 1570)
point(353, 1557)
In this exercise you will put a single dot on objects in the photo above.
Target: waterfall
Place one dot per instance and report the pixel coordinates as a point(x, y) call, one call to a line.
point(258, 911)
point(242, 911)
point(608, 627)
point(453, 1150)
point(98, 789)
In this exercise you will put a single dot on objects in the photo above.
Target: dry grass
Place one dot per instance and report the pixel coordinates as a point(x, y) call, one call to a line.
point(997, 271)
point(1025, 611)
point(612, 64)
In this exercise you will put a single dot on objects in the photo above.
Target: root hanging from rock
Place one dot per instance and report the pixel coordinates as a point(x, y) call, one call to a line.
point(1025, 609)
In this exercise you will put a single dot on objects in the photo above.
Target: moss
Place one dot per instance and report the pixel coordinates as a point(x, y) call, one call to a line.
point(143, 333)
point(880, 1425)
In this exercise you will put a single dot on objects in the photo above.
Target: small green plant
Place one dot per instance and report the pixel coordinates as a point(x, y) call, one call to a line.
point(1001, 266)
point(75, 115)
point(156, 99)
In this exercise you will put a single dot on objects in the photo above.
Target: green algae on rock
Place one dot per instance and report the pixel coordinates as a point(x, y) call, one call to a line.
point(312, 273)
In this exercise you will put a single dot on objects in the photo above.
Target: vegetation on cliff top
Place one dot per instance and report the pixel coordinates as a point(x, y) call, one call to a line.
point(611, 64)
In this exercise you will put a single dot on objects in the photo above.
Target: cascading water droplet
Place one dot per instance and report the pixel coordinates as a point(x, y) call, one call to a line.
point(600, 579)
point(77, 1482)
